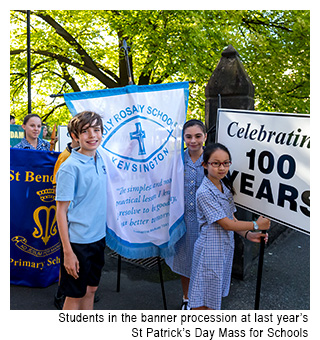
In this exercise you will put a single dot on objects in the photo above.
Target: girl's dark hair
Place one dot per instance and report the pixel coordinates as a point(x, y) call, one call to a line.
point(193, 122)
point(208, 151)
point(27, 117)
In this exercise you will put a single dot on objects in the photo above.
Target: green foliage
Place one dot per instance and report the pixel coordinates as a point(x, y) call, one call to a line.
point(79, 50)
point(277, 57)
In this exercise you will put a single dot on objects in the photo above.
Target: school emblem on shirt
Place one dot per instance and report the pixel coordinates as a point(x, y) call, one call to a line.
point(138, 142)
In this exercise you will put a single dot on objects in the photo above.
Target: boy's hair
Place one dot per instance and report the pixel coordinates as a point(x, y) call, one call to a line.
point(86, 118)
point(71, 126)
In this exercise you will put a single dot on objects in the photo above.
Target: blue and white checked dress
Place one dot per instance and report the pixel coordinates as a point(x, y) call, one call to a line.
point(213, 250)
point(181, 262)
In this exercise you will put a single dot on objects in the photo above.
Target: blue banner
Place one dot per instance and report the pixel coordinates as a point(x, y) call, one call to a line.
point(142, 148)
point(34, 237)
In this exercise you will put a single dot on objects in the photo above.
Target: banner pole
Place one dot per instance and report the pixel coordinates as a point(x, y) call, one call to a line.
point(118, 273)
point(126, 56)
point(162, 284)
point(259, 276)
point(29, 61)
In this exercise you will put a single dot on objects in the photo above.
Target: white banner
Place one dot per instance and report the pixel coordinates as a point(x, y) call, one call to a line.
point(142, 148)
point(270, 163)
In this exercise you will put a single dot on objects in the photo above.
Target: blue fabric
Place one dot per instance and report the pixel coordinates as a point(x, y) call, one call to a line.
point(148, 249)
point(34, 239)
point(82, 181)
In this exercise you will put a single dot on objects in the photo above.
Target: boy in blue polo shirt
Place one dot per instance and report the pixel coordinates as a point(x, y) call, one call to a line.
point(81, 214)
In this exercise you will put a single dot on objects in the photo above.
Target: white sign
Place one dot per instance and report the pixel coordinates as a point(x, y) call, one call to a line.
point(64, 137)
point(270, 163)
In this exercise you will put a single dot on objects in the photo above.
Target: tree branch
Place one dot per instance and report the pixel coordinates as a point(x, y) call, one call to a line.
point(68, 78)
point(88, 64)
point(47, 115)
point(258, 22)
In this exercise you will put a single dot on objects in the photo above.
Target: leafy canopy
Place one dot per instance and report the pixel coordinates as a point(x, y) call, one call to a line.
point(78, 50)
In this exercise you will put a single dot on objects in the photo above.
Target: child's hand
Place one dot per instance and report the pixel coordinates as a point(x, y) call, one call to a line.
point(71, 264)
point(256, 237)
point(263, 223)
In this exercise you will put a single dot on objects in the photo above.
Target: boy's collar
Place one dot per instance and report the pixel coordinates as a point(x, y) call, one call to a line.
point(81, 157)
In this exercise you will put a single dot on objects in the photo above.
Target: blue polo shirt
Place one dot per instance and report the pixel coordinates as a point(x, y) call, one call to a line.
point(82, 180)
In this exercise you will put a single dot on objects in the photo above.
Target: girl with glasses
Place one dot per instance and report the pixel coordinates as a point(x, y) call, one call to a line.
point(213, 250)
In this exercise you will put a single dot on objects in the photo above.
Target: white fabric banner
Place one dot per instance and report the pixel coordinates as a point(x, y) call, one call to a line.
point(270, 163)
point(142, 148)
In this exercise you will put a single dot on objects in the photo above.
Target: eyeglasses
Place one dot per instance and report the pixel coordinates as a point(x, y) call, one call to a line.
point(217, 164)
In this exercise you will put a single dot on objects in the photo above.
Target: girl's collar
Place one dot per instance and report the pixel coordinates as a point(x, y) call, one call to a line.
point(189, 160)
point(214, 188)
